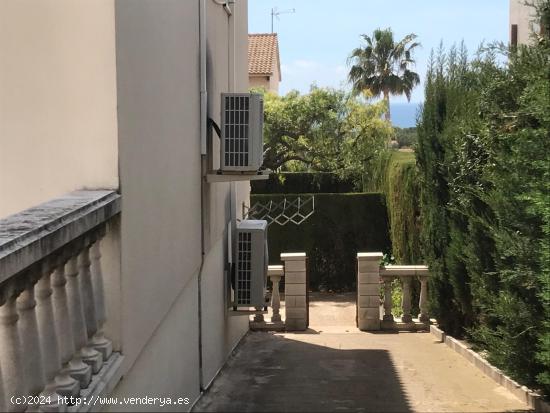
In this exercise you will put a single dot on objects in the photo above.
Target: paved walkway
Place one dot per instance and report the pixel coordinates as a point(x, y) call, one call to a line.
point(335, 367)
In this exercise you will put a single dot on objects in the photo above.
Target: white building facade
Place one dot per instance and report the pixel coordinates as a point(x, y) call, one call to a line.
point(523, 22)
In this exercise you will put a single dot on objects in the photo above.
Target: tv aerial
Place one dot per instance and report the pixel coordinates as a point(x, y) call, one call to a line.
point(276, 13)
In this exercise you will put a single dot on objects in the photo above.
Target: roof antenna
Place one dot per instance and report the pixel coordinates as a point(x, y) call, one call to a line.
point(276, 13)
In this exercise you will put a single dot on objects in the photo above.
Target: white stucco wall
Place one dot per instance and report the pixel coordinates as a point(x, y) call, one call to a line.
point(58, 126)
point(160, 165)
point(523, 16)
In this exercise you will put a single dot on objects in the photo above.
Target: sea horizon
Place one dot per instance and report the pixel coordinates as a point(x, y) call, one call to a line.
point(403, 115)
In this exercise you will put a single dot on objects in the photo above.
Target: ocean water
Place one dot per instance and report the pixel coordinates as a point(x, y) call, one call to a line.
point(403, 115)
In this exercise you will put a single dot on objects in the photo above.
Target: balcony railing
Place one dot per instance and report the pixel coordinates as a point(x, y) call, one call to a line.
point(52, 303)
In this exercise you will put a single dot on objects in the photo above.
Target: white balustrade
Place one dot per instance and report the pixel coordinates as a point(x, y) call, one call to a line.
point(52, 307)
point(275, 274)
point(407, 274)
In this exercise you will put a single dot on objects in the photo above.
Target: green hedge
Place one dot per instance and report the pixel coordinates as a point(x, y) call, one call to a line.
point(402, 189)
point(484, 155)
point(303, 182)
point(341, 225)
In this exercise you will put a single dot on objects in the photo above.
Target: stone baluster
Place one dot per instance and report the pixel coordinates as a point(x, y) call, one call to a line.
point(423, 302)
point(84, 264)
point(406, 300)
point(388, 301)
point(30, 341)
point(11, 357)
point(56, 383)
point(275, 299)
point(84, 358)
point(99, 342)
point(63, 325)
point(259, 316)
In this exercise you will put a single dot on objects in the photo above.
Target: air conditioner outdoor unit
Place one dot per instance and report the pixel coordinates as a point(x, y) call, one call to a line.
point(251, 263)
point(242, 144)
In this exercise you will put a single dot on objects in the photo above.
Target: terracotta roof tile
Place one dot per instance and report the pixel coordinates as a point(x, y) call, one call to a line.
point(263, 54)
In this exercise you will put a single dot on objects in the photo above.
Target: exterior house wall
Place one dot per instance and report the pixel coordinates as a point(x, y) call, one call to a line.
point(105, 94)
point(523, 16)
point(260, 81)
point(160, 163)
point(274, 80)
point(58, 124)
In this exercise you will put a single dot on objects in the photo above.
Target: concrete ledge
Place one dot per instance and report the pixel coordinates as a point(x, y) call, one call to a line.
point(102, 384)
point(401, 326)
point(524, 394)
point(370, 256)
point(267, 326)
point(404, 270)
point(31, 235)
point(293, 256)
point(439, 334)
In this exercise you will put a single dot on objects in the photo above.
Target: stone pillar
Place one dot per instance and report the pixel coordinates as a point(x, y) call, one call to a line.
point(406, 302)
point(99, 342)
point(368, 290)
point(11, 357)
point(30, 341)
point(295, 291)
point(388, 302)
point(423, 302)
point(275, 299)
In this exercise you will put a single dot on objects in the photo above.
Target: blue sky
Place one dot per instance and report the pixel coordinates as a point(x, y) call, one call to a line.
point(316, 40)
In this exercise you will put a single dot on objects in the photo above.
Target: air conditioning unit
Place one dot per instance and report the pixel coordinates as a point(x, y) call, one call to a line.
point(242, 143)
point(251, 263)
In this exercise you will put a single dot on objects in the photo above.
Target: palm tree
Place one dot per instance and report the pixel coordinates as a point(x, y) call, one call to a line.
point(382, 66)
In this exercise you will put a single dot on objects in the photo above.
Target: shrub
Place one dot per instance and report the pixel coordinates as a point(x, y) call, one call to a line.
point(483, 155)
point(342, 225)
point(303, 182)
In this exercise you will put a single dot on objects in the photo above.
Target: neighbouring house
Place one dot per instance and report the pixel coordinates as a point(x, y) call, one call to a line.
point(522, 22)
point(264, 64)
point(118, 276)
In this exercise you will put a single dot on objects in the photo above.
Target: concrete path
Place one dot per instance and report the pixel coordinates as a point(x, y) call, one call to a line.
point(335, 367)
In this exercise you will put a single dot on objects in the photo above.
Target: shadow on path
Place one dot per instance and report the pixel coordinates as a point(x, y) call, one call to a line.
point(293, 376)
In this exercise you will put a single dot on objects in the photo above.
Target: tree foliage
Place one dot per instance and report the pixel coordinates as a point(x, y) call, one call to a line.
point(484, 159)
point(383, 66)
point(325, 130)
